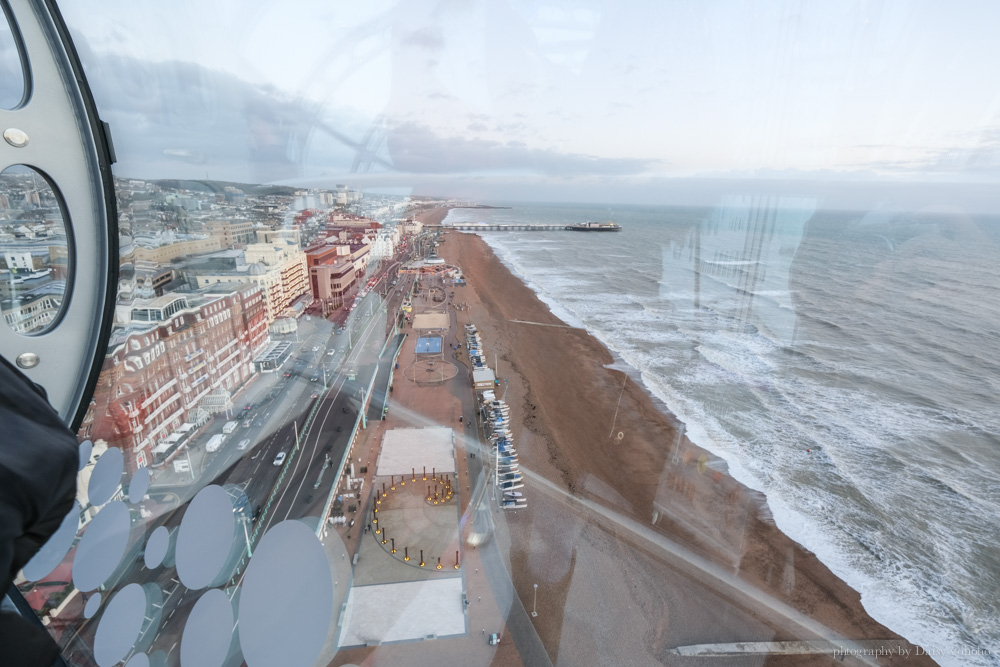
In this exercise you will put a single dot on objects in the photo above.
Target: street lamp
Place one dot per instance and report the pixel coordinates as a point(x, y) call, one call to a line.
point(534, 604)
point(244, 521)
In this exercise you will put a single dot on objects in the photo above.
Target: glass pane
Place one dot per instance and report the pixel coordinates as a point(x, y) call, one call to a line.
point(33, 250)
point(642, 322)
point(11, 72)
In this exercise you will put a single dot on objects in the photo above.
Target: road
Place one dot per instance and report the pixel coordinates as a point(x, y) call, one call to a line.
point(280, 409)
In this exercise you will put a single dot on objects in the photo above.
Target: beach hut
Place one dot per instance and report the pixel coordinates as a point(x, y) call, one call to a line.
point(483, 378)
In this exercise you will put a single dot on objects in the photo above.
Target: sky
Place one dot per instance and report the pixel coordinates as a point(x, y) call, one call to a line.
point(503, 98)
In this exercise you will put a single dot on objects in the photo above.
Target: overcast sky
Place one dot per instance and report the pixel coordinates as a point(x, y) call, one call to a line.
point(501, 97)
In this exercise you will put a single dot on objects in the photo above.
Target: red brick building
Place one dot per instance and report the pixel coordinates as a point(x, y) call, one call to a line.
point(180, 360)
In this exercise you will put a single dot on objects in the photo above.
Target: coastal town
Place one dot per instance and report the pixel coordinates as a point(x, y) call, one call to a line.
point(350, 364)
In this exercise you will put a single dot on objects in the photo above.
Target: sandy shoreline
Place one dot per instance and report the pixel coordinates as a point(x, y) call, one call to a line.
point(431, 216)
point(637, 539)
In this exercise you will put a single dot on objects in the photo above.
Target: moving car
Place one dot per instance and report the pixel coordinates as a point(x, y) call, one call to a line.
point(280, 458)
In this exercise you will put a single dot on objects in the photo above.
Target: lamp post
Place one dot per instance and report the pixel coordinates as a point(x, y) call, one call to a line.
point(243, 520)
point(187, 452)
point(534, 604)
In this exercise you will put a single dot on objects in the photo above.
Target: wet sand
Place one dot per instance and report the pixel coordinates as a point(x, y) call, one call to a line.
point(638, 540)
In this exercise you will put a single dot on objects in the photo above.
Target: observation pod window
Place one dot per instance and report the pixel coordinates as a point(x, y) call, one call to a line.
point(12, 80)
point(37, 263)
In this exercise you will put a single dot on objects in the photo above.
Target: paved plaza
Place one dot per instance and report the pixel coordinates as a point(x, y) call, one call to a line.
point(407, 449)
point(384, 613)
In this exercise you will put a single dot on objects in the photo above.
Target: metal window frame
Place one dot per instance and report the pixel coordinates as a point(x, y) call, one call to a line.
point(70, 145)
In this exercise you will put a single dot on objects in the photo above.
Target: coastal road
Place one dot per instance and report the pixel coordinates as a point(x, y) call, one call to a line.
point(254, 471)
point(328, 434)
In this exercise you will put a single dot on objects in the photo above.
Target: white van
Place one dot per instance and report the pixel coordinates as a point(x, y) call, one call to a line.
point(215, 442)
point(230, 427)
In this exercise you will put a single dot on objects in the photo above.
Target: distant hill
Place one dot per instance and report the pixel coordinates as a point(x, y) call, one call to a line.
point(219, 186)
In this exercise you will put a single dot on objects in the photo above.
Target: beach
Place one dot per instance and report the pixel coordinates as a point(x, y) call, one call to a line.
point(428, 214)
point(638, 540)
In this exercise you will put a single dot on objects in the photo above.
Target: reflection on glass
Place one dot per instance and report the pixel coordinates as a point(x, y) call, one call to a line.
point(11, 72)
point(312, 402)
point(34, 255)
point(249, 324)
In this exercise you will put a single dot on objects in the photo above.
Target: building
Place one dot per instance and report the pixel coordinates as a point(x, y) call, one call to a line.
point(232, 233)
point(333, 274)
point(152, 279)
point(25, 258)
point(181, 358)
point(280, 270)
point(290, 262)
point(338, 220)
point(163, 249)
point(384, 244)
point(333, 284)
point(358, 254)
point(286, 236)
point(35, 309)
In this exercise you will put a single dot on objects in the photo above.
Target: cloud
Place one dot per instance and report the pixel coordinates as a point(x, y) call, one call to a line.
point(417, 148)
point(974, 155)
point(425, 38)
point(182, 120)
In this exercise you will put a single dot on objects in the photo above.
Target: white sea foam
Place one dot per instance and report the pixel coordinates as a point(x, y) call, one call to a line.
point(919, 580)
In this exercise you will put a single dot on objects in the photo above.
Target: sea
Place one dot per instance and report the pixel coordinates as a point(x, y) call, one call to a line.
point(846, 364)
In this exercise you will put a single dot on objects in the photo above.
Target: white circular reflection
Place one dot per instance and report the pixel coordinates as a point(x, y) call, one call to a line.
point(102, 546)
point(156, 547)
point(205, 538)
point(56, 548)
point(107, 476)
point(286, 601)
point(139, 485)
point(93, 604)
point(208, 632)
point(86, 447)
point(120, 625)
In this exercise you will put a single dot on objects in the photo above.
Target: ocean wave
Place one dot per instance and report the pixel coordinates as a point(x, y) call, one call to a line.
point(759, 399)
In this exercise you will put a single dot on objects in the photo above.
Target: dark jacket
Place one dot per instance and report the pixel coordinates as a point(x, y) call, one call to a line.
point(39, 460)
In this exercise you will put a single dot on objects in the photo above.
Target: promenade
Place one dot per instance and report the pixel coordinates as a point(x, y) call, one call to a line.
point(411, 611)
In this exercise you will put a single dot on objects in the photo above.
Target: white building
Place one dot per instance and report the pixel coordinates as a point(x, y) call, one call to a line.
point(384, 244)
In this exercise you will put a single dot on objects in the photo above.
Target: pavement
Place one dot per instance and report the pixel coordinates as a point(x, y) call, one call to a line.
point(490, 603)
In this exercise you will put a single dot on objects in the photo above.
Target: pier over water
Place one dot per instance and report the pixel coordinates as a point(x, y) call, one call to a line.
point(490, 227)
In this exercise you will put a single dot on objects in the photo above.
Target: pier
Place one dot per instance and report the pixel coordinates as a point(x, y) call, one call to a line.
point(487, 227)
